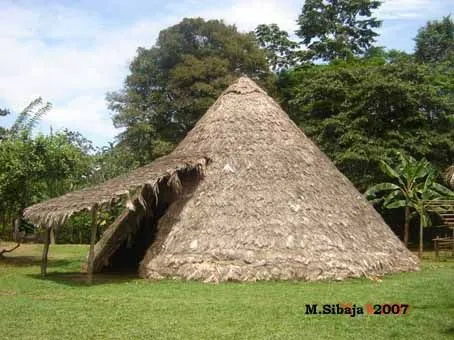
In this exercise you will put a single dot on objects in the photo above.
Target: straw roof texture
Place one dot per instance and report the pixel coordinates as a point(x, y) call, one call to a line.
point(56, 211)
point(271, 205)
point(449, 176)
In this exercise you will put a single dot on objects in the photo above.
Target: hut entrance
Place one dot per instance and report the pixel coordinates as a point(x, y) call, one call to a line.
point(127, 244)
point(132, 250)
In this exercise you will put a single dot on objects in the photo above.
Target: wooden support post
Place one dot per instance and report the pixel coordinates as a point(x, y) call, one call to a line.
point(91, 254)
point(452, 249)
point(2, 223)
point(437, 251)
point(45, 252)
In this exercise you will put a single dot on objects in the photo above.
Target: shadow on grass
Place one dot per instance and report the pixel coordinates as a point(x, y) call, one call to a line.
point(28, 261)
point(449, 331)
point(81, 279)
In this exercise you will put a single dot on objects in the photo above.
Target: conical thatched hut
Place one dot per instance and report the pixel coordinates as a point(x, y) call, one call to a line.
point(449, 176)
point(245, 196)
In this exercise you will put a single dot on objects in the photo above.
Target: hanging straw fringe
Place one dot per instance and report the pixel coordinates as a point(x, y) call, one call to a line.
point(57, 211)
point(175, 183)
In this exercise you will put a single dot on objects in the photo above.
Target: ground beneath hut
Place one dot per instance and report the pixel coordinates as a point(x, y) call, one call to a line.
point(64, 307)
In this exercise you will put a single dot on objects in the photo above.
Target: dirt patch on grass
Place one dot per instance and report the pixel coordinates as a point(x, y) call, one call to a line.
point(7, 293)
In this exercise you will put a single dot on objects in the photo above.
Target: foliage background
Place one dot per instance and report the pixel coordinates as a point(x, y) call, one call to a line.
point(360, 103)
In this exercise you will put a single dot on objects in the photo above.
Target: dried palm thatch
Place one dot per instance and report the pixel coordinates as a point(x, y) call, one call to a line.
point(449, 176)
point(132, 186)
point(271, 205)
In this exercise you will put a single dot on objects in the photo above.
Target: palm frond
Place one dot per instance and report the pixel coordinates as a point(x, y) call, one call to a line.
point(24, 115)
point(375, 189)
point(36, 117)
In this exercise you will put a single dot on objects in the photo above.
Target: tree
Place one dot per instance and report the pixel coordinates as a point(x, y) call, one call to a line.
point(64, 166)
point(366, 110)
point(414, 184)
point(338, 29)
point(435, 41)
point(4, 251)
point(174, 82)
point(111, 161)
point(37, 168)
point(28, 118)
point(18, 165)
point(3, 131)
point(281, 52)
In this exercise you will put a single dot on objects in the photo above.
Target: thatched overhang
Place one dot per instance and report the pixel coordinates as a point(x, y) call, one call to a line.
point(129, 187)
point(271, 206)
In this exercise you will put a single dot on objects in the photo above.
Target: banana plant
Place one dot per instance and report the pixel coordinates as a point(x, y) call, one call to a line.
point(401, 191)
point(427, 191)
point(413, 183)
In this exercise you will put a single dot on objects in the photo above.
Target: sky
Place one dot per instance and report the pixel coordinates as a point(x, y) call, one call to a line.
point(72, 52)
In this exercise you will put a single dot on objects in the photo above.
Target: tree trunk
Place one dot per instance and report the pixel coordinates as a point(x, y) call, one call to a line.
point(13, 227)
point(45, 252)
point(91, 254)
point(52, 236)
point(3, 222)
point(16, 226)
point(406, 225)
point(3, 251)
point(71, 232)
point(421, 236)
point(7, 222)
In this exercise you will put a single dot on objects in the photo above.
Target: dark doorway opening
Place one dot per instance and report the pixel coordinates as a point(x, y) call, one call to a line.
point(144, 230)
point(128, 256)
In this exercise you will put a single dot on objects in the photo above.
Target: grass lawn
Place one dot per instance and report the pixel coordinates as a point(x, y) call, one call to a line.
point(62, 306)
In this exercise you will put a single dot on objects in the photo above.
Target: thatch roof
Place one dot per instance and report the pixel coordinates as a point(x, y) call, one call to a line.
point(270, 206)
point(56, 211)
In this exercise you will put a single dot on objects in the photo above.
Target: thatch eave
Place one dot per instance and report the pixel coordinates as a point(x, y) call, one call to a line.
point(56, 211)
point(271, 206)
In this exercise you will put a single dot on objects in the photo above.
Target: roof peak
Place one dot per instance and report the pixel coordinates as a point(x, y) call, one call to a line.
point(244, 85)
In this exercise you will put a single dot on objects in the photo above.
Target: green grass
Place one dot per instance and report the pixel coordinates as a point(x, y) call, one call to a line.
point(62, 306)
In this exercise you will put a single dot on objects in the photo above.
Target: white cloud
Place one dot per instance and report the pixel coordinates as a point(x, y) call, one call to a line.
point(247, 15)
point(75, 72)
point(67, 57)
point(83, 113)
point(413, 9)
point(72, 57)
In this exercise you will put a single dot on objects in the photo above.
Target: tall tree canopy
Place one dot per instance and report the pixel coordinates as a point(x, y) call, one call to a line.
point(435, 41)
point(281, 52)
point(36, 168)
point(173, 83)
point(364, 111)
point(338, 29)
point(3, 130)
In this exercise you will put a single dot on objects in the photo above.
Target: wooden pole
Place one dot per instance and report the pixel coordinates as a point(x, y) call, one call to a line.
point(452, 252)
point(437, 251)
point(45, 252)
point(3, 218)
point(421, 236)
point(52, 236)
point(91, 254)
